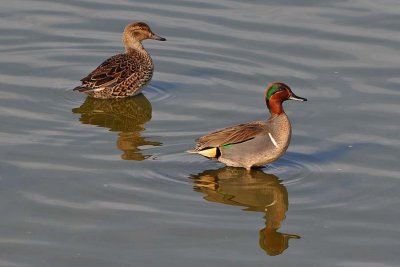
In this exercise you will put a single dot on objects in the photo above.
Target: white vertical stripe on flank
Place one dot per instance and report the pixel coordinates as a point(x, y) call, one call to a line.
point(273, 140)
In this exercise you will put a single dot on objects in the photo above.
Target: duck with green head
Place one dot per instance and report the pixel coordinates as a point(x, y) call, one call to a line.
point(255, 143)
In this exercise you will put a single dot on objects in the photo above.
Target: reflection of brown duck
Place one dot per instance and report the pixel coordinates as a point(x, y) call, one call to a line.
point(126, 116)
point(255, 190)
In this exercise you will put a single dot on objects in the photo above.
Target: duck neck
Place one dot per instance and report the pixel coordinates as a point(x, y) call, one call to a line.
point(132, 45)
point(275, 106)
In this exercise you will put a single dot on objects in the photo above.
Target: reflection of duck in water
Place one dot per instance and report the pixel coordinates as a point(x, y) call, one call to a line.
point(126, 116)
point(255, 190)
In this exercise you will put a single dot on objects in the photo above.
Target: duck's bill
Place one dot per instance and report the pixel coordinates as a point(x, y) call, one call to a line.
point(158, 38)
point(297, 98)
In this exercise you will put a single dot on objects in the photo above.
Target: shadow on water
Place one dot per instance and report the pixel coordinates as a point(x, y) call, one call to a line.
point(256, 191)
point(126, 116)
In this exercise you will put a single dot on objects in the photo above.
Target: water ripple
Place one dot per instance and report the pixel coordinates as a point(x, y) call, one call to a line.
point(71, 199)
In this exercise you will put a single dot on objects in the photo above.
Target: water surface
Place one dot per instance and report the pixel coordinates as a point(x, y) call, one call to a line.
point(87, 182)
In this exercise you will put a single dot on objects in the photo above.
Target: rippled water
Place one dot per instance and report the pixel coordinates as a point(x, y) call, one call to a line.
point(89, 182)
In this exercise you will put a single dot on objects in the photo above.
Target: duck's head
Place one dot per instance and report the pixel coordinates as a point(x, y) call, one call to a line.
point(137, 32)
point(276, 93)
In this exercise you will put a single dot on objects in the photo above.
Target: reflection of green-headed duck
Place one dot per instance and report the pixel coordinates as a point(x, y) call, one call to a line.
point(124, 74)
point(126, 116)
point(255, 143)
point(254, 190)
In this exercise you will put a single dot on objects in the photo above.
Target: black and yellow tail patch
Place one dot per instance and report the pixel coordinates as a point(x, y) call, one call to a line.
point(212, 152)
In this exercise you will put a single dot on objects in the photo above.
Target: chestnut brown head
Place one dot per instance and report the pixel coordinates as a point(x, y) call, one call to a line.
point(276, 93)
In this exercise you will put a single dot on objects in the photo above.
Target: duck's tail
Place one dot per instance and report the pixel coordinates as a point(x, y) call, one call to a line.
point(212, 152)
point(82, 89)
point(85, 89)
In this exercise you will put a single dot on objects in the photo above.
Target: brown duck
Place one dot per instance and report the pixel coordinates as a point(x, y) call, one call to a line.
point(124, 74)
point(255, 143)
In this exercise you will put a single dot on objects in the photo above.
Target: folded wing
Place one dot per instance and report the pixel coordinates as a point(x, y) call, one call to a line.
point(232, 135)
point(111, 72)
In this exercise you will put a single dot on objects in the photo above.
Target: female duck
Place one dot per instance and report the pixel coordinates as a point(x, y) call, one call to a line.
point(255, 143)
point(124, 74)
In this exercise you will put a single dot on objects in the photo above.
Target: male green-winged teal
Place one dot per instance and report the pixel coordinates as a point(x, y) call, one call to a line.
point(255, 143)
point(124, 74)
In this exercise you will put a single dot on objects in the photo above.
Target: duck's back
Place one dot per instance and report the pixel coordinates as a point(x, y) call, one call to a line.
point(120, 76)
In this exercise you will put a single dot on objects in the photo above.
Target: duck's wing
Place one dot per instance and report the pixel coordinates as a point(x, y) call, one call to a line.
point(113, 71)
point(231, 135)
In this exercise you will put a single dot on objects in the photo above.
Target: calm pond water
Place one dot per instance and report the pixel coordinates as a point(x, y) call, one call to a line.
point(88, 182)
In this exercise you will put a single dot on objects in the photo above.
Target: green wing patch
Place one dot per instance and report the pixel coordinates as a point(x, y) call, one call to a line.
point(227, 146)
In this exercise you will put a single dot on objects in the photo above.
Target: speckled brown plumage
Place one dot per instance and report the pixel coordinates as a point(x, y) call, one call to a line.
point(124, 74)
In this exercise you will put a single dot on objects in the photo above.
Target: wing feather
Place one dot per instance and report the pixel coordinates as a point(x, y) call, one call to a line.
point(111, 72)
point(231, 135)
